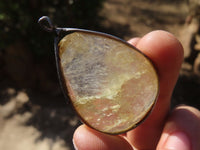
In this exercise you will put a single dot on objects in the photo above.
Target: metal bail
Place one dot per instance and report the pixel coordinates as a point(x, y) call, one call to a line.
point(46, 24)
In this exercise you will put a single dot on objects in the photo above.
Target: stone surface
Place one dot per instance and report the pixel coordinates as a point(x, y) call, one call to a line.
point(112, 85)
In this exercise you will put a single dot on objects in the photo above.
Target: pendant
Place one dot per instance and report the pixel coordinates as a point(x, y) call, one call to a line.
point(111, 84)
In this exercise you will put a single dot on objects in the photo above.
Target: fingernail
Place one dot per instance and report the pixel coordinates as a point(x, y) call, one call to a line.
point(75, 147)
point(177, 141)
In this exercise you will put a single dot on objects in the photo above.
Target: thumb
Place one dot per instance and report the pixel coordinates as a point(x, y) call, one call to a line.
point(182, 130)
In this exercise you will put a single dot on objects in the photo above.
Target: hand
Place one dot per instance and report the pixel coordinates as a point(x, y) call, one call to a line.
point(162, 130)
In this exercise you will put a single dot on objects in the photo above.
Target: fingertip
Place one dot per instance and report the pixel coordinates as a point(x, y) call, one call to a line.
point(161, 47)
point(175, 141)
point(86, 138)
point(182, 130)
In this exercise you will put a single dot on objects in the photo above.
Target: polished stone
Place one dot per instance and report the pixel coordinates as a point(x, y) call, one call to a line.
point(112, 85)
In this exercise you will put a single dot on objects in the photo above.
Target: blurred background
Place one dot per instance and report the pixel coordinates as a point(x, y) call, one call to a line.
point(34, 115)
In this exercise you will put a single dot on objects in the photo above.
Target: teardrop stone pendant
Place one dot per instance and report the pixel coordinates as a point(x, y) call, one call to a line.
point(112, 85)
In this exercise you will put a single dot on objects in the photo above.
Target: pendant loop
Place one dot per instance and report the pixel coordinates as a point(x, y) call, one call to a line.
point(46, 24)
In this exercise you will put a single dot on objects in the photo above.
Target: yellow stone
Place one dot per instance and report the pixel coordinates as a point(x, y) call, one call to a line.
point(112, 85)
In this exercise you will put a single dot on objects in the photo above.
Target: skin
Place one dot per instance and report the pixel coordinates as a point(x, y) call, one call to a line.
point(164, 129)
